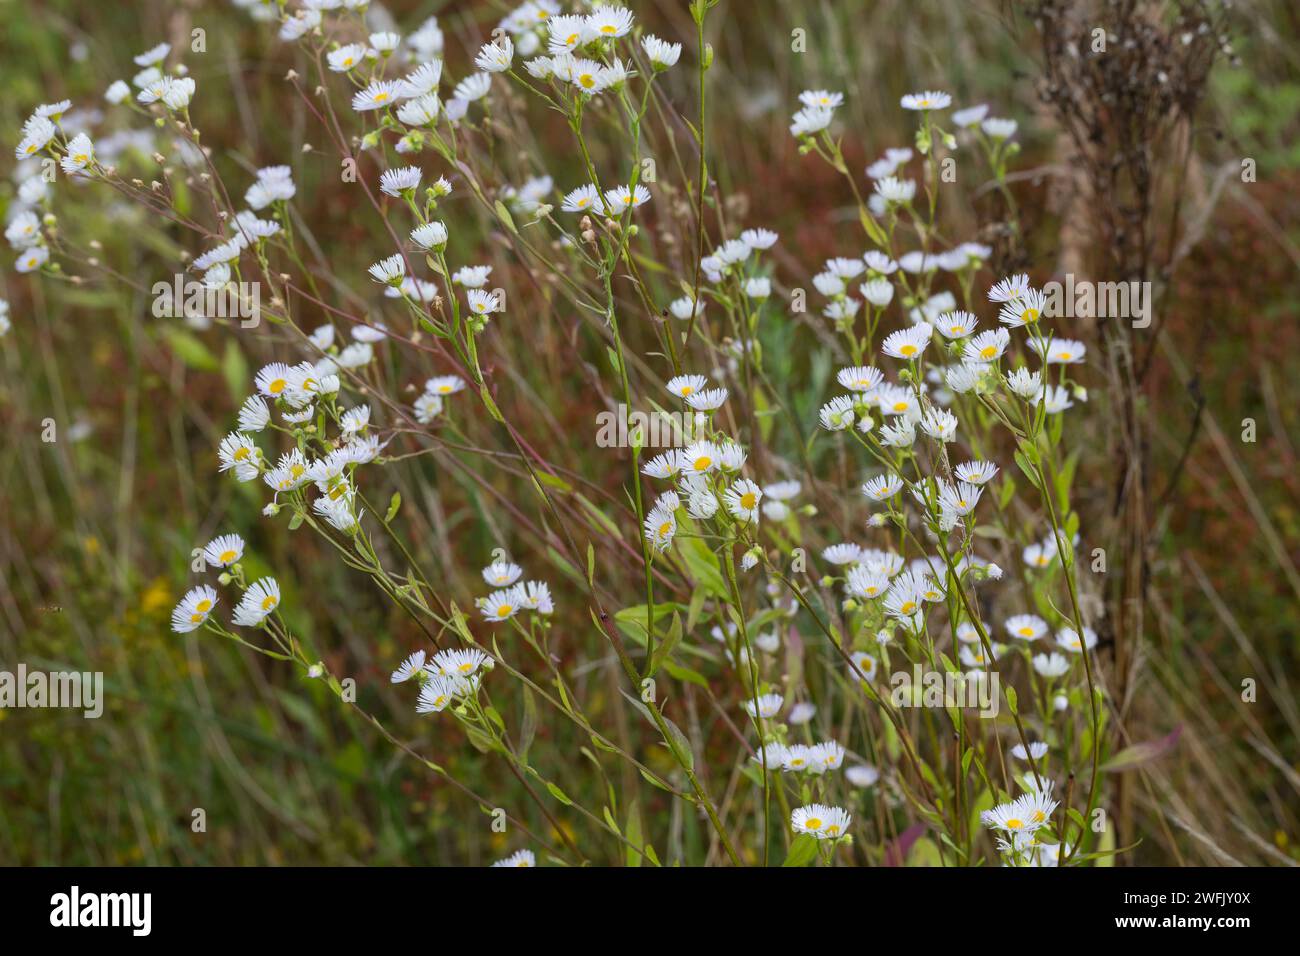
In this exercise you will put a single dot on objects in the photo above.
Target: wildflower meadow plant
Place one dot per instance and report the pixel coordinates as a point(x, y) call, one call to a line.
point(764, 637)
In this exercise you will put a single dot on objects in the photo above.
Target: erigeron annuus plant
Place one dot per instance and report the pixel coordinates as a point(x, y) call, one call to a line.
point(773, 612)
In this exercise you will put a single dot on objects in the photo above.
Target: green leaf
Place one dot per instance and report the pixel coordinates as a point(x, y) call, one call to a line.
point(559, 794)
point(234, 367)
point(394, 503)
point(703, 566)
point(803, 850)
point(665, 647)
point(528, 728)
point(504, 215)
point(190, 350)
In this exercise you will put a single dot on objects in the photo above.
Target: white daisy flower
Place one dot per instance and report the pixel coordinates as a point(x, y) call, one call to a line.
point(997, 128)
point(660, 53)
point(346, 58)
point(483, 303)
point(660, 526)
point(568, 33)
point(879, 292)
point(862, 776)
point(1027, 627)
point(473, 87)
point(427, 407)
point(503, 604)
point(986, 347)
point(956, 325)
point(495, 57)
point(766, 706)
point(1025, 309)
point(500, 574)
point(224, 550)
point(1059, 351)
point(882, 487)
point(859, 378)
point(1051, 665)
point(31, 259)
point(458, 662)
point(826, 756)
point(390, 270)
point(864, 583)
point(378, 95)
point(435, 696)
point(820, 821)
point(193, 609)
point(970, 116)
point(837, 414)
point(940, 424)
point(420, 110)
point(929, 100)
point(1055, 400)
point(261, 598)
point(811, 120)
point(622, 198)
point(907, 343)
point(413, 666)
point(976, 472)
point(582, 199)
point(742, 500)
point(1068, 639)
point(401, 181)
point(521, 858)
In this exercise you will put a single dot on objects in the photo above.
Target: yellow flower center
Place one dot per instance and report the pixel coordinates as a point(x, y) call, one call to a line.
point(908, 350)
point(665, 529)
point(1029, 315)
point(900, 406)
point(908, 607)
point(1065, 356)
point(241, 453)
point(276, 387)
point(813, 823)
point(747, 500)
point(609, 28)
point(227, 557)
point(571, 39)
point(196, 618)
point(504, 610)
point(269, 602)
point(832, 829)
point(466, 668)
point(1026, 631)
point(1014, 824)
point(587, 80)
point(381, 97)
point(988, 351)
point(703, 463)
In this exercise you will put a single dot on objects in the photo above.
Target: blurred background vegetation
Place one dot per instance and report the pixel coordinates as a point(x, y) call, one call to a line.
point(96, 529)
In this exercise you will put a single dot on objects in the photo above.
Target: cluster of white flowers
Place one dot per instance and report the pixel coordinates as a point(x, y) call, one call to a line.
point(512, 595)
point(444, 678)
point(256, 604)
